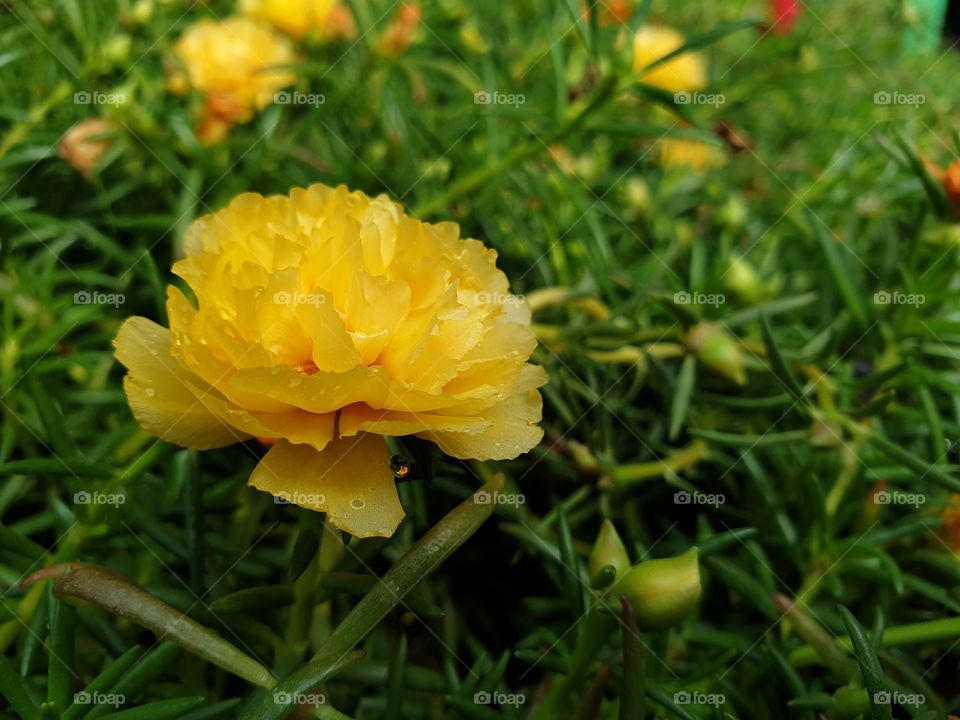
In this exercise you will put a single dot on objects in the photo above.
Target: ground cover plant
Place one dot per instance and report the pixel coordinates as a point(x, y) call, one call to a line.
point(732, 230)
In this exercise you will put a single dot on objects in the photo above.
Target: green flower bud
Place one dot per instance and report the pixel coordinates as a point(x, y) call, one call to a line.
point(608, 550)
point(117, 49)
point(733, 213)
point(742, 279)
point(636, 198)
point(718, 350)
point(663, 592)
point(142, 12)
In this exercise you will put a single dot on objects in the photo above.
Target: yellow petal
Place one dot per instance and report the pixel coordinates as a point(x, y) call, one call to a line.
point(350, 480)
point(163, 394)
point(513, 430)
point(362, 418)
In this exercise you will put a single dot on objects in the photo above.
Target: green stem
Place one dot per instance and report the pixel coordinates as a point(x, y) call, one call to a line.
point(945, 629)
point(421, 560)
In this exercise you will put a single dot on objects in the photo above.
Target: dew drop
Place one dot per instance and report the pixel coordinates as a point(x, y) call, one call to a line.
point(357, 504)
point(151, 392)
point(294, 381)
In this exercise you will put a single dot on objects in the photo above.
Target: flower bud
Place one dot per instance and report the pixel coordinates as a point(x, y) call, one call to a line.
point(663, 592)
point(718, 350)
point(636, 198)
point(608, 551)
point(84, 144)
point(951, 183)
point(733, 213)
point(741, 278)
point(142, 12)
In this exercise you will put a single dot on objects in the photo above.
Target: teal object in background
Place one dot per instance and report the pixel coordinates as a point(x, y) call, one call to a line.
point(924, 24)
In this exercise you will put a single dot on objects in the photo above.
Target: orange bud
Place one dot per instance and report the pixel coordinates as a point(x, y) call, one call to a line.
point(82, 146)
point(398, 35)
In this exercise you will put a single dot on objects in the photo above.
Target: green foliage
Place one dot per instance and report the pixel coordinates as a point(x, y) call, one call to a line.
point(824, 249)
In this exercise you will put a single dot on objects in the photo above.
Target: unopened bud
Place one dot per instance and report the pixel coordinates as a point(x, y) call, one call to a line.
point(742, 279)
point(951, 183)
point(733, 213)
point(663, 592)
point(608, 551)
point(84, 144)
point(718, 350)
point(636, 198)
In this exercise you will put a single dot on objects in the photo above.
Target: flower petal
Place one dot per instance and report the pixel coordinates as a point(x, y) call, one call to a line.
point(514, 428)
point(163, 394)
point(350, 480)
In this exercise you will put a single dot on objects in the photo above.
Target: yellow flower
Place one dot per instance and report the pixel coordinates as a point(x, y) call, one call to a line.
point(236, 65)
point(325, 320)
point(294, 17)
point(684, 73)
point(687, 153)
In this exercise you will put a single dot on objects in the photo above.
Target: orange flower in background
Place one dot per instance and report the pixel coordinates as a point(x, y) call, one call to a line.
point(951, 521)
point(399, 33)
point(684, 73)
point(236, 64)
point(325, 320)
point(84, 144)
point(612, 12)
point(951, 182)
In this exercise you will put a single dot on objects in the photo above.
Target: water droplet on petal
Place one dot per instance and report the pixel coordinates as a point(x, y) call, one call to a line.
point(294, 381)
point(151, 392)
point(357, 504)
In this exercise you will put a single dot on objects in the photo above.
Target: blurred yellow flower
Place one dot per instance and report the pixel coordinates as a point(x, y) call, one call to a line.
point(295, 17)
point(684, 73)
point(236, 65)
point(325, 320)
point(687, 153)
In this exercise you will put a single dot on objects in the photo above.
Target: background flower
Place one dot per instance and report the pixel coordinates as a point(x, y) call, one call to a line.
point(683, 73)
point(236, 64)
